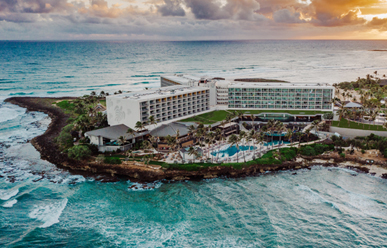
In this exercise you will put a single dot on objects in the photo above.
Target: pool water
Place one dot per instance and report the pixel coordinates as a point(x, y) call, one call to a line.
point(276, 142)
point(232, 150)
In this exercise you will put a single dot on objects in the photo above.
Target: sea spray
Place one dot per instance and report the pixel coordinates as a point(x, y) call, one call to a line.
point(48, 213)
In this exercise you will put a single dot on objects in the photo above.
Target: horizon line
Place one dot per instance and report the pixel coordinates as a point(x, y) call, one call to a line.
point(151, 40)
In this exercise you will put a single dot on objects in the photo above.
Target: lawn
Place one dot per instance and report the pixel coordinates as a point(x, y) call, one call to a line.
point(208, 118)
point(354, 125)
point(220, 115)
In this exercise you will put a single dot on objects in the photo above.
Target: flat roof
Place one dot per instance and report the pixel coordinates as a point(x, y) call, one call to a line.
point(181, 78)
point(278, 85)
point(157, 93)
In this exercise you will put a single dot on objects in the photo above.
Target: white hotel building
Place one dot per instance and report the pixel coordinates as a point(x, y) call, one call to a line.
point(181, 96)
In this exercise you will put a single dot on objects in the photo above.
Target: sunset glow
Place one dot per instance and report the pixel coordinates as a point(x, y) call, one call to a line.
point(193, 19)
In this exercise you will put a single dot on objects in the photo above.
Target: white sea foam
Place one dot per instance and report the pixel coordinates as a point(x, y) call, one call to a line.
point(7, 194)
point(48, 214)
point(146, 186)
point(74, 179)
point(10, 203)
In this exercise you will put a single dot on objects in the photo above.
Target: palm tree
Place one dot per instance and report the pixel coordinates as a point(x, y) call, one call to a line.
point(242, 135)
point(131, 132)
point(299, 136)
point(121, 140)
point(194, 152)
point(234, 140)
point(272, 127)
point(154, 141)
point(280, 128)
point(152, 120)
point(289, 136)
point(315, 124)
point(307, 132)
point(139, 127)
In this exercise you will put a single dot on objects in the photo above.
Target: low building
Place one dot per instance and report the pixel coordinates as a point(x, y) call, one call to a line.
point(108, 139)
point(179, 131)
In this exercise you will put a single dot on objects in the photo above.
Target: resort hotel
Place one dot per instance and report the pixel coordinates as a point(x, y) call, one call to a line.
point(185, 96)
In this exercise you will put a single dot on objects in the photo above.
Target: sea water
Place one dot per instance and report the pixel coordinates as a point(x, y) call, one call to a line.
point(43, 206)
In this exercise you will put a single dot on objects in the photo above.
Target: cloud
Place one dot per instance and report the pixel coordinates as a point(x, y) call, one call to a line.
point(171, 8)
point(35, 6)
point(99, 8)
point(234, 9)
point(378, 23)
point(287, 16)
point(187, 19)
point(333, 13)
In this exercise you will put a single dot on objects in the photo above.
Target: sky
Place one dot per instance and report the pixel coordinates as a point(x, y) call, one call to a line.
point(192, 19)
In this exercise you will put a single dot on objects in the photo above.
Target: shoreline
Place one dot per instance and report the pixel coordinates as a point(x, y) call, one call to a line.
point(139, 172)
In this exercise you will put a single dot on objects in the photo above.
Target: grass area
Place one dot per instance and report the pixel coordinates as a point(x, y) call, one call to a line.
point(355, 125)
point(208, 118)
point(220, 115)
point(69, 106)
point(66, 105)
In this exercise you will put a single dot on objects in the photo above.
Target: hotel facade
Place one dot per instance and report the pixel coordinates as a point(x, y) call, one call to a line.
point(182, 96)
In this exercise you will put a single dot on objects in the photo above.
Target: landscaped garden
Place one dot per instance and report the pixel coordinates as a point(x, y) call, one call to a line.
point(220, 115)
point(344, 123)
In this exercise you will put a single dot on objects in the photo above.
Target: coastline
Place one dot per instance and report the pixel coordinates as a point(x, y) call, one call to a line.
point(139, 172)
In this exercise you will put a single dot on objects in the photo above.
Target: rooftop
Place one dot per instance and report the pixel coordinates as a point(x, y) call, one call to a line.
point(156, 93)
point(181, 78)
point(278, 85)
point(113, 132)
point(170, 129)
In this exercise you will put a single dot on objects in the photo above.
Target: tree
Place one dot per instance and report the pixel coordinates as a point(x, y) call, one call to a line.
point(121, 140)
point(139, 126)
point(193, 152)
point(65, 140)
point(242, 135)
point(315, 124)
point(79, 152)
point(289, 136)
point(328, 116)
point(234, 140)
point(152, 120)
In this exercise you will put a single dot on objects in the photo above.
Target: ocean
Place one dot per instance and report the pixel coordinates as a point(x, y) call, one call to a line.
point(43, 206)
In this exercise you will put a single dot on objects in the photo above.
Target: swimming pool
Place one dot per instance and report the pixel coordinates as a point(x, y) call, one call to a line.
point(232, 150)
point(276, 143)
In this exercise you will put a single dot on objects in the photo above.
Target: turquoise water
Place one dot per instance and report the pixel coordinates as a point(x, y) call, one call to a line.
point(275, 142)
point(43, 206)
point(232, 150)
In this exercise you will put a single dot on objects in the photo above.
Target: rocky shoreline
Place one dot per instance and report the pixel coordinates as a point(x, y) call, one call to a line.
point(49, 151)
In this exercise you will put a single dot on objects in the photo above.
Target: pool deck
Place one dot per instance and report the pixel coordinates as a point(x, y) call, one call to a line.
point(247, 155)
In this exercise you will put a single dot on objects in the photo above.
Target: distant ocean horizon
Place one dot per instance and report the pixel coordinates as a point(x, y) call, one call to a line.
point(43, 206)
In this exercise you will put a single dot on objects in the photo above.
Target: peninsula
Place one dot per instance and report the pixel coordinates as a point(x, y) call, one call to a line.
point(202, 128)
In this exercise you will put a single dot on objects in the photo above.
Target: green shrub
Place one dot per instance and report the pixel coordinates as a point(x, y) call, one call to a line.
point(362, 151)
point(320, 148)
point(65, 140)
point(342, 155)
point(385, 153)
point(79, 152)
point(308, 151)
point(68, 128)
point(112, 160)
